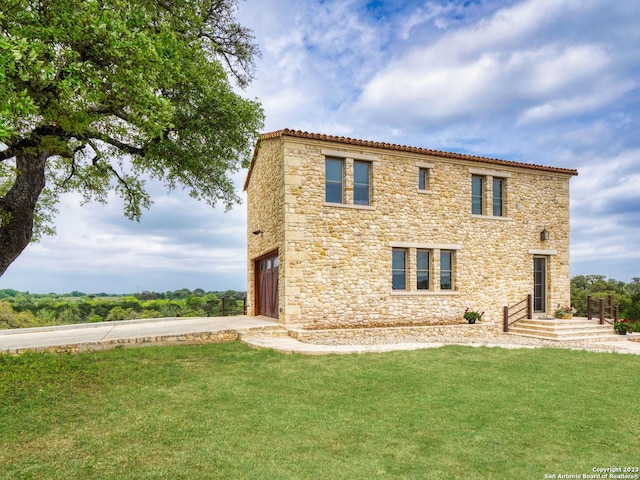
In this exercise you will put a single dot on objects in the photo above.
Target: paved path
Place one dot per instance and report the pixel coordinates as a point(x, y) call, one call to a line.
point(252, 330)
point(157, 330)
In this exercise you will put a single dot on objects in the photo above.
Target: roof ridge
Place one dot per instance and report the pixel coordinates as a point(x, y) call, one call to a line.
point(401, 148)
point(406, 148)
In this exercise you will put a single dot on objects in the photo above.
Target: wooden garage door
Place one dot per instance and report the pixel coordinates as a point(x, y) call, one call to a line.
point(267, 283)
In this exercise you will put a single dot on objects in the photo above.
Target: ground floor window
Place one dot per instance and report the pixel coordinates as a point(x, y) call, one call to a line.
point(446, 270)
point(423, 269)
point(414, 268)
point(399, 269)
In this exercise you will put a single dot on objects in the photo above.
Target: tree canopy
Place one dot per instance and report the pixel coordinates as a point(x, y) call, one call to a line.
point(625, 295)
point(98, 95)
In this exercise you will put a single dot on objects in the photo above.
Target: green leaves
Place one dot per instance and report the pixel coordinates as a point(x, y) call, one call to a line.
point(112, 92)
point(16, 103)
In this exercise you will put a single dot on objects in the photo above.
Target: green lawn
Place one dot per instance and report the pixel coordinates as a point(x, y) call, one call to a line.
point(230, 412)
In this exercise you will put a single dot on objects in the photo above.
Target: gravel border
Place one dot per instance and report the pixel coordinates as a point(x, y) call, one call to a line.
point(503, 340)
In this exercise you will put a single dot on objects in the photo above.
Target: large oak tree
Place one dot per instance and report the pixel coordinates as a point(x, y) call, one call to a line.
point(97, 95)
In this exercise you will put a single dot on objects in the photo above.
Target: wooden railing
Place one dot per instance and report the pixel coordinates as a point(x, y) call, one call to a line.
point(223, 307)
point(605, 309)
point(521, 310)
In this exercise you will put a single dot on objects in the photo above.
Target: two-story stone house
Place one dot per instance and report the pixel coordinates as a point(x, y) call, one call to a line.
point(351, 233)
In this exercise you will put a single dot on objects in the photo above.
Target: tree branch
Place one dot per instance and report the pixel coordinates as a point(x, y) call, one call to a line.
point(234, 43)
point(130, 149)
point(9, 9)
point(7, 153)
point(73, 165)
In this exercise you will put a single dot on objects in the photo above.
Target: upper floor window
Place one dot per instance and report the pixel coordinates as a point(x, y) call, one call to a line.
point(488, 192)
point(498, 197)
point(361, 182)
point(423, 179)
point(399, 269)
point(349, 179)
point(334, 174)
point(425, 171)
point(477, 191)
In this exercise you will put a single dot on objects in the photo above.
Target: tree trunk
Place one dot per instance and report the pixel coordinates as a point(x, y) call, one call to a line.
point(18, 205)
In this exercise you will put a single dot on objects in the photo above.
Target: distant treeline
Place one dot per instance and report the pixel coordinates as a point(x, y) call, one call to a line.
point(24, 309)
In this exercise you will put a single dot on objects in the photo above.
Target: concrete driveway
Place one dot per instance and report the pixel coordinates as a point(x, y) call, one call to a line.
point(103, 335)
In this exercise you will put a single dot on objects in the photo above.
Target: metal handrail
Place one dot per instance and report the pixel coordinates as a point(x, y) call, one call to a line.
point(507, 314)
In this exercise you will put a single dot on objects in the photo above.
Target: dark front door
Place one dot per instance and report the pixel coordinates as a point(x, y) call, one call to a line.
point(539, 284)
point(267, 285)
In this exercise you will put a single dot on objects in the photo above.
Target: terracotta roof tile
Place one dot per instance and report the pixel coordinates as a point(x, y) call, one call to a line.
point(399, 148)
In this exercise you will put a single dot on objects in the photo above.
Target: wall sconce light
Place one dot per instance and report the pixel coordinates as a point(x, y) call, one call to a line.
point(544, 235)
point(257, 232)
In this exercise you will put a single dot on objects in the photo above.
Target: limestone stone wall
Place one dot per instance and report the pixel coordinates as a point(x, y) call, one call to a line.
point(335, 259)
point(372, 335)
point(265, 198)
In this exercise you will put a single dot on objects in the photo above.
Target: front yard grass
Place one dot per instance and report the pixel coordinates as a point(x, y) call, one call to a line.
point(227, 411)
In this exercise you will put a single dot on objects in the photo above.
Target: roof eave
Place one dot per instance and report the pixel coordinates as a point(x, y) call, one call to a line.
point(395, 147)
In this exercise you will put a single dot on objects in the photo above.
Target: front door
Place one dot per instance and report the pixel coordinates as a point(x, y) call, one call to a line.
point(267, 285)
point(539, 284)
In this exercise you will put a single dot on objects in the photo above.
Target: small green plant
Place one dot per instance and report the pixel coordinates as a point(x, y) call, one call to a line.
point(565, 311)
point(624, 325)
point(472, 316)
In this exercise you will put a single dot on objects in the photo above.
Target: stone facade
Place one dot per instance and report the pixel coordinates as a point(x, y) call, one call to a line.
point(336, 258)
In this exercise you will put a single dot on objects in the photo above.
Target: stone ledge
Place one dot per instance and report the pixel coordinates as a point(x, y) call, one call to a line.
point(366, 335)
point(198, 338)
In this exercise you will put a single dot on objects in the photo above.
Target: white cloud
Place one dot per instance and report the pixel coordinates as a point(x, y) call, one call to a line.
point(541, 81)
point(508, 64)
point(589, 100)
point(178, 243)
point(554, 68)
point(421, 16)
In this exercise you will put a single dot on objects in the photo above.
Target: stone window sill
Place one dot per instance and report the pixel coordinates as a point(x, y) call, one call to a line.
point(490, 217)
point(424, 293)
point(347, 205)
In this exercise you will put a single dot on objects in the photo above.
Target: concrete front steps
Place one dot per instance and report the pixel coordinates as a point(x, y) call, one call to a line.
point(576, 329)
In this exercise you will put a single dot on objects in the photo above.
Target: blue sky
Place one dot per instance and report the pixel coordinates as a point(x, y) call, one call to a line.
point(552, 82)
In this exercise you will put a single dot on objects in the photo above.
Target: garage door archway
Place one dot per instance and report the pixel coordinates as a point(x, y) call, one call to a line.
point(266, 269)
